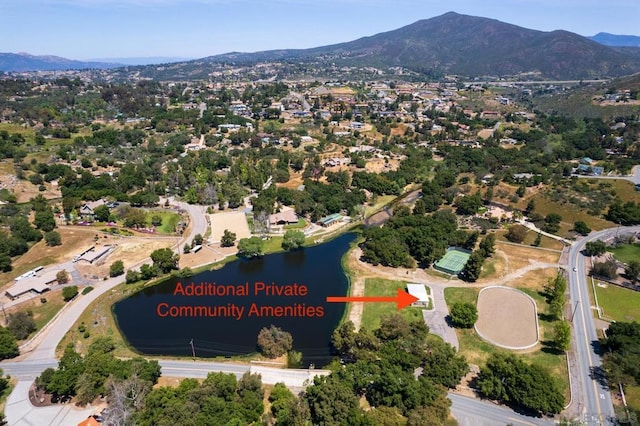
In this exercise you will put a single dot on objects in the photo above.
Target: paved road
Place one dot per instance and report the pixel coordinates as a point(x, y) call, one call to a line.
point(634, 177)
point(593, 396)
point(474, 412)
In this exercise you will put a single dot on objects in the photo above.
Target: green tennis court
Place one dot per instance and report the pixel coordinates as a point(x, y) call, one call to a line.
point(453, 261)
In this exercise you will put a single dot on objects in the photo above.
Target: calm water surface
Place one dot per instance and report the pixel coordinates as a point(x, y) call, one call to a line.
point(140, 319)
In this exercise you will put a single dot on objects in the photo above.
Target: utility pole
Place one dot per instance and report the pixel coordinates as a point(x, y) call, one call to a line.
point(193, 350)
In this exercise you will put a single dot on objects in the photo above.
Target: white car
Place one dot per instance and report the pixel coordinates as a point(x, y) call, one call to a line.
point(575, 269)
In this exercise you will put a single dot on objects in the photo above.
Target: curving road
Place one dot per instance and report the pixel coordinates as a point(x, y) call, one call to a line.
point(593, 396)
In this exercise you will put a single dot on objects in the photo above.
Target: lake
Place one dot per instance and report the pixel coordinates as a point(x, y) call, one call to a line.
point(223, 311)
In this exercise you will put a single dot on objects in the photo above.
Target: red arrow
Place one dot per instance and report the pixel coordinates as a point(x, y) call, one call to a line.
point(402, 299)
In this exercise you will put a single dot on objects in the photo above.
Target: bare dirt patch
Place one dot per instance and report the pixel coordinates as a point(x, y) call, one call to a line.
point(235, 222)
point(507, 317)
point(209, 254)
point(521, 256)
point(130, 250)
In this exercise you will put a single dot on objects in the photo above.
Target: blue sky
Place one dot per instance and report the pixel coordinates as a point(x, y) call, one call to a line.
point(84, 29)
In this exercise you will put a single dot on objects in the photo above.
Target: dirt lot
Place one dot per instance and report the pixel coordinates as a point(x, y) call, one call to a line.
point(130, 250)
point(507, 318)
point(235, 222)
point(208, 254)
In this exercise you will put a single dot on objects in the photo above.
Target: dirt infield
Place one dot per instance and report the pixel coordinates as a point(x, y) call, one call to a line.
point(235, 222)
point(507, 318)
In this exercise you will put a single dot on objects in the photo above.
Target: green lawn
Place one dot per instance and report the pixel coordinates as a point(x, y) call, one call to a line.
point(301, 224)
point(632, 393)
point(619, 304)
point(626, 252)
point(372, 312)
point(169, 220)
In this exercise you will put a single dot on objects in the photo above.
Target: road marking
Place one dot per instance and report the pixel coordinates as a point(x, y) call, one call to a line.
point(586, 339)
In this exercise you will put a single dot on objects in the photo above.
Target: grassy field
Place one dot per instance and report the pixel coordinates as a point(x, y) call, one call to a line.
point(626, 252)
point(570, 214)
point(545, 242)
point(380, 202)
point(372, 312)
point(477, 351)
point(301, 224)
point(169, 220)
point(619, 304)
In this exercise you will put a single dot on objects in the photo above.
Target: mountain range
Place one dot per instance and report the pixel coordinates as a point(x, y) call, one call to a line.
point(467, 45)
point(616, 40)
point(451, 43)
point(18, 62)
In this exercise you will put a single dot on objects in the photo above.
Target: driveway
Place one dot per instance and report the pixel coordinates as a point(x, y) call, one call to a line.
point(20, 412)
point(436, 318)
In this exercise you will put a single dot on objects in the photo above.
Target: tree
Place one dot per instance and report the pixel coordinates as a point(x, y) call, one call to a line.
point(64, 379)
point(102, 213)
point(132, 276)
point(250, 247)
point(293, 240)
point(469, 204)
point(116, 268)
point(632, 270)
point(8, 344)
point(562, 335)
point(5, 262)
point(62, 277)
point(463, 315)
point(21, 324)
point(165, 259)
point(148, 272)
point(197, 240)
point(70, 292)
point(44, 220)
point(487, 245)
point(595, 248)
point(443, 365)
point(135, 218)
point(552, 222)
point(581, 228)
point(274, 342)
point(516, 233)
point(228, 239)
point(156, 220)
point(473, 267)
point(531, 207)
point(509, 379)
point(608, 268)
point(52, 238)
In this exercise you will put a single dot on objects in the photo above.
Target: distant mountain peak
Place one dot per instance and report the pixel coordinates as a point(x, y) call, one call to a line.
point(608, 39)
point(466, 45)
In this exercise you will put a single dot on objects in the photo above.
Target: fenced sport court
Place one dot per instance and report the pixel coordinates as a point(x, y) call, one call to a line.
point(453, 261)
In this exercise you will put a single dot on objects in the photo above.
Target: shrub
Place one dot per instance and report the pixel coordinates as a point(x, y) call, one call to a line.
point(463, 315)
point(70, 292)
point(87, 290)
